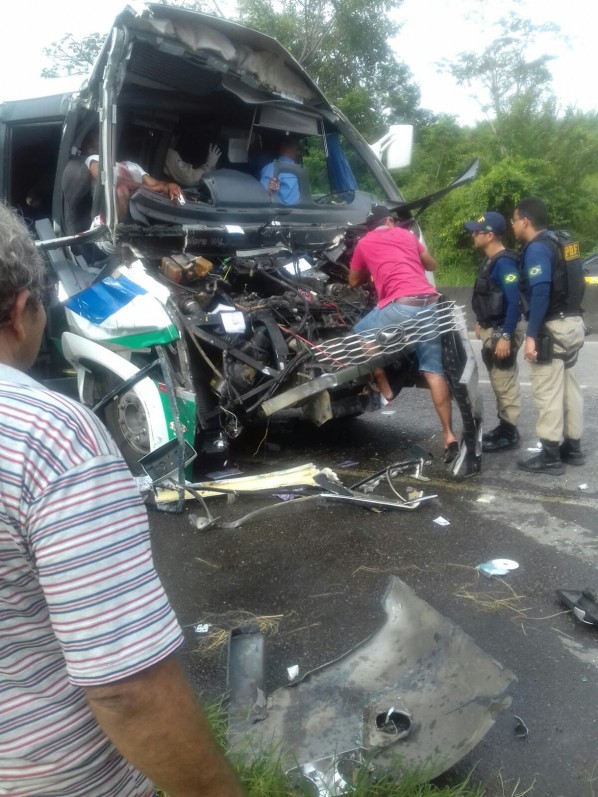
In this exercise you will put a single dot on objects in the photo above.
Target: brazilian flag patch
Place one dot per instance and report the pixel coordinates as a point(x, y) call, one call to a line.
point(511, 277)
point(535, 271)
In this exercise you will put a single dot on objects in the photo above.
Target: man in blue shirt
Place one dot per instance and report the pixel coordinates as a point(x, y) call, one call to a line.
point(284, 185)
point(555, 334)
point(497, 306)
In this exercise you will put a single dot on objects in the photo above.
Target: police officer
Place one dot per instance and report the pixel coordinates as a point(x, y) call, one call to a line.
point(555, 334)
point(497, 306)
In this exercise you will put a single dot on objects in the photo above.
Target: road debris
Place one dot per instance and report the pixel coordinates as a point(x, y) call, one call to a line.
point(161, 465)
point(374, 695)
point(497, 567)
point(326, 489)
point(520, 730)
point(221, 625)
point(583, 604)
point(441, 521)
point(202, 628)
point(299, 476)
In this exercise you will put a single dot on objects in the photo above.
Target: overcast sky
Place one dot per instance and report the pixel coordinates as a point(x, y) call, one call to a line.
point(432, 30)
point(437, 29)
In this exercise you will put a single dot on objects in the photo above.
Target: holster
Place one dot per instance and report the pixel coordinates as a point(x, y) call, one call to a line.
point(544, 347)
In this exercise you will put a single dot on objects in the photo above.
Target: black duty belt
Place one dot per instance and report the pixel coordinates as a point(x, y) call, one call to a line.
point(555, 316)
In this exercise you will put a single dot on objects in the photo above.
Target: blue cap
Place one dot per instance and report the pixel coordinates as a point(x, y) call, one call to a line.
point(488, 222)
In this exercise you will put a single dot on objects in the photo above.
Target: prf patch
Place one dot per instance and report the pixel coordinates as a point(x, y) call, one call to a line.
point(571, 250)
point(535, 270)
point(511, 278)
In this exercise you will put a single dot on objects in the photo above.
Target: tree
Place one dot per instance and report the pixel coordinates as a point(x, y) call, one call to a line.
point(72, 56)
point(502, 74)
point(345, 47)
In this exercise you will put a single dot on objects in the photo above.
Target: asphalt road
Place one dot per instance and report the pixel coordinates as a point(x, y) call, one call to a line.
point(321, 575)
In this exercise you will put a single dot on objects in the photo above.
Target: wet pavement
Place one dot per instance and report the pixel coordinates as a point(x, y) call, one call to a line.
point(318, 578)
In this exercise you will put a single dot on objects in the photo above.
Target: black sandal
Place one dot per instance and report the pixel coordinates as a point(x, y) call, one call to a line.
point(451, 452)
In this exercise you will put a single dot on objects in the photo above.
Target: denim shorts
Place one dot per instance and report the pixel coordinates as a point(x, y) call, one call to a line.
point(429, 353)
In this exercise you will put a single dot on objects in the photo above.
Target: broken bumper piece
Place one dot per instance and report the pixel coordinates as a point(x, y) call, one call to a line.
point(417, 696)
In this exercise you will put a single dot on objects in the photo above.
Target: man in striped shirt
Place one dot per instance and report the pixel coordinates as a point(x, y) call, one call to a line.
point(92, 702)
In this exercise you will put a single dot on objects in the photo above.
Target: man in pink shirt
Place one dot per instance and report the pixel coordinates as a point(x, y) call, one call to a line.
point(397, 262)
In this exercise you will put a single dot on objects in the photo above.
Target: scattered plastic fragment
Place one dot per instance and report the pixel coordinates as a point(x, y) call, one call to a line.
point(297, 478)
point(144, 484)
point(584, 604)
point(583, 486)
point(441, 521)
point(293, 672)
point(497, 567)
point(348, 463)
point(202, 628)
point(520, 730)
point(285, 496)
point(486, 499)
point(387, 412)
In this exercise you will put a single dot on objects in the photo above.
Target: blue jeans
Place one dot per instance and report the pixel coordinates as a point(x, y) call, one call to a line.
point(429, 353)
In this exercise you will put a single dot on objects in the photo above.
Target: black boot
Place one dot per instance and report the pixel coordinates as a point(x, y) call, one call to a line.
point(547, 461)
point(493, 433)
point(504, 437)
point(571, 453)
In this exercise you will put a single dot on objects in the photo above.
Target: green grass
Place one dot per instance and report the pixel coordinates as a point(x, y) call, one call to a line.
point(453, 276)
point(265, 777)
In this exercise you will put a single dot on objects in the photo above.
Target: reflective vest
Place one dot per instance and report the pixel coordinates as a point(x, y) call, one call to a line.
point(488, 300)
point(568, 282)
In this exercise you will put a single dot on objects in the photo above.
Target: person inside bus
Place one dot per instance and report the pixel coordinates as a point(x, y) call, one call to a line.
point(186, 174)
point(284, 186)
point(128, 177)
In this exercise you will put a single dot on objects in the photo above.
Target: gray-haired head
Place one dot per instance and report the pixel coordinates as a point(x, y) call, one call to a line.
point(21, 265)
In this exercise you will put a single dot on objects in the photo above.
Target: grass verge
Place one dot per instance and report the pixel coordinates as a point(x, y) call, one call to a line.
point(265, 777)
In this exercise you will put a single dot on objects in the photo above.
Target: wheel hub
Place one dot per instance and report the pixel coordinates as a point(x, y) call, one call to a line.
point(133, 423)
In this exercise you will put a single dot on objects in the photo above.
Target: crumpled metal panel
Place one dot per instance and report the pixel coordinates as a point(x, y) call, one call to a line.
point(358, 349)
point(419, 664)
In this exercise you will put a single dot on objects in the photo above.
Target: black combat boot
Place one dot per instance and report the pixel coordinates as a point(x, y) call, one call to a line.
point(571, 453)
point(493, 433)
point(547, 461)
point(504, 437)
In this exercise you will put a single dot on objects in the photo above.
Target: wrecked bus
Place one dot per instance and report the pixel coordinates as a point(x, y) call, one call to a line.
point(187, 319)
